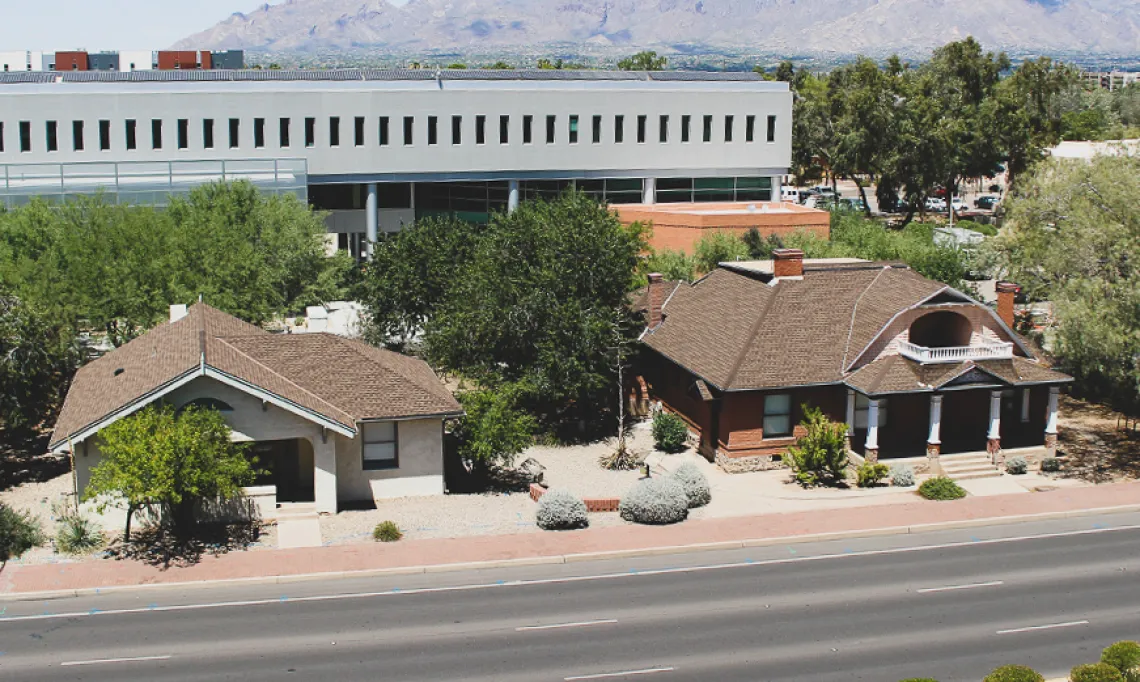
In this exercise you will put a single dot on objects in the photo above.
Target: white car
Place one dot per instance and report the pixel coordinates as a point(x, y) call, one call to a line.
point(935, 204)
point(959, 205)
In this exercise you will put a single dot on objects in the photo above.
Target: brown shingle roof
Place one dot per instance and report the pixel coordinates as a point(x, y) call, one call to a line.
point(339, 379)
point(896, 374)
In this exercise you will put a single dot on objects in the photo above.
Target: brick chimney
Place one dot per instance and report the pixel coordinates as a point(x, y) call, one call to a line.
point(1006, 291)
point(788, 263)
point(656, 299)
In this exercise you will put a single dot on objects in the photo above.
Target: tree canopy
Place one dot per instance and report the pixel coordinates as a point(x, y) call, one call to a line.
point(647, 60)
point(37, 359)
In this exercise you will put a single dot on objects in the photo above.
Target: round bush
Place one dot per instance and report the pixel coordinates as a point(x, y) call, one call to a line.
point(670, 433)
point(387, 531)
point(1124, 656)
point(1016, 466)
point(561, 510)
point(655, 501)
point(902, 476)
point(1095, 672)
point(941, 488)
point(870, 474)
point(1014, 673)
point(1050, 464)
point(695, 484)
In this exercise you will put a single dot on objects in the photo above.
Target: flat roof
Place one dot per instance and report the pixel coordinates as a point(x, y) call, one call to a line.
point(767, 267)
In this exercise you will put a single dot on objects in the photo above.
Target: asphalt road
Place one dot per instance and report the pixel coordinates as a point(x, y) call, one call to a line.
point(952, 606)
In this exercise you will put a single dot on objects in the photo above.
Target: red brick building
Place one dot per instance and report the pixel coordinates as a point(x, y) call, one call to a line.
point(912, 366)
point(678, 227)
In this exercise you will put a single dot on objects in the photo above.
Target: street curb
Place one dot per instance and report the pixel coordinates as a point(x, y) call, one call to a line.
point(579, 557)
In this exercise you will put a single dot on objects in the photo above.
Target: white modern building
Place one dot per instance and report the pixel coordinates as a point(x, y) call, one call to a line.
point(379, 148)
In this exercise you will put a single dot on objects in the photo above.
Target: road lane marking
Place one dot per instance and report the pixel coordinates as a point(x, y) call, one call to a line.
point(557, 581)
point(135, 659)
point(558, 626)
point(626, 673)
point(1051, 626)
point(969, 586)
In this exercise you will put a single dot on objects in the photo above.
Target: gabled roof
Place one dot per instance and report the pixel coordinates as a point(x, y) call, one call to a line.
point(333, 381)
point(896, 374)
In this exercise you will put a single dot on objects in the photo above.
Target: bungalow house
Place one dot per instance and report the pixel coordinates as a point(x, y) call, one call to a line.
point(331, 420)
point(912, 366)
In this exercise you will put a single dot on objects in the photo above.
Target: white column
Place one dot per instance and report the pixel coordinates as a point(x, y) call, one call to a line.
point(850, 413)
point(935, 437)
point(995, 415)
point(371, 219)
point(872, 425)
point(777, 182)
point(649, 191)
point(324, 472)
point(512, 195)
point(1051, 415)
point(1024, 404)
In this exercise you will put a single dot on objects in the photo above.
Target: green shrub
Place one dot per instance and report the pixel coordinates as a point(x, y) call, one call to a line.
point(561, 510)
point(870, 474)
point(1016, 466)
point(1125, 657)
point(718, 247)
point(672, 265)
point(19, 532)
point(988, 230)
point(820, 456)
point(941, 488)
point(695, 483)
point(655, 501)
point(495, 428)
point(670, 433)
point(1095, 672)
point(902, 476)
point(1050, 465)
point(77, 533)
point(387, 531)
point(1014, 673)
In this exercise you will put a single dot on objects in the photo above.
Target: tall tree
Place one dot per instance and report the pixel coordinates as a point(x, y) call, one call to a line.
point(862, 104)
point(37, 359)
point(643, 61)
point(1024, 112)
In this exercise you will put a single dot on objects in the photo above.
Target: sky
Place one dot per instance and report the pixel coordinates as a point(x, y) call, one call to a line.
point(108, 24)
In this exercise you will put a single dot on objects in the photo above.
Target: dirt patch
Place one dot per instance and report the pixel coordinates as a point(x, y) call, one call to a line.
point(1095, 444)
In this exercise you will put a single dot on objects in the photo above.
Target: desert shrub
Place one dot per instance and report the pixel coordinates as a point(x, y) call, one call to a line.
point(695, 483)
point(655, 501)
point(1014, 673)
point(561, 510)
point(1125, 657)
point(941, 488)
point(1050, 465)
point(902, 476)
point(870, 474)
point(820, 456)
point(78, 533)
point(387, 531)
point(1095, 672)
point(1016, 466)
point(623, 458)
point(669, 432)
point(19, 532)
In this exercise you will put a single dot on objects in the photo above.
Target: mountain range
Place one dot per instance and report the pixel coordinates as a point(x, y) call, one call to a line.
point(756, 26)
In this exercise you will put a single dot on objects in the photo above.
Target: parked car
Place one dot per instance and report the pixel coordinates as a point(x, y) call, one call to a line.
point(987, 203)
point(790, 194)
point(850, 204)
point(959, 205)
point(935, 204)
point(826, 191)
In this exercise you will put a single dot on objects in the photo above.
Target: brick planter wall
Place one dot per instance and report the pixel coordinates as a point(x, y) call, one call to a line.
point(593, 504)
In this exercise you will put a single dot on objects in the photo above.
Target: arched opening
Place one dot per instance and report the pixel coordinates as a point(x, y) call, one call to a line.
point(941, 329)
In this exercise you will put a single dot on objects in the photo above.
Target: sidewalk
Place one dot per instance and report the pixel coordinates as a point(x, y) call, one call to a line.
point(457, 553)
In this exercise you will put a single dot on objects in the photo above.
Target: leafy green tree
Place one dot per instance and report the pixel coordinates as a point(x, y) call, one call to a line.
point(494, 429)
point(819, 457)
point(761, 247)
point(1024, 112)
point(547, 64)
point(37, 359)
point(169, 462)
point(672, 265)
point(457, 65)
point(647, 60)
point(863, 107)
point(718, 247)
point(500, 66)
point(19, 532)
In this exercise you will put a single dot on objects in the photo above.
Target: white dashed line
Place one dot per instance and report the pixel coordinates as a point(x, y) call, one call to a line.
point(950, 588)
point(1051, 626)
point(626, 673)
point(558, 626)
point(136, 659)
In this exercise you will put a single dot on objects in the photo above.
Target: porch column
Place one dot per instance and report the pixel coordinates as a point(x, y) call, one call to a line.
point(850, 417)
point(871, 449)
point(371, 220)
point(993, 438)
point(1024, 405)
point(1051, 422)
point(934, 440)
point(512, 195)
point(324, 471)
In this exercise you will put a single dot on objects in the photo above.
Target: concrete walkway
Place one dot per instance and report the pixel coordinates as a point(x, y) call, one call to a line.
point(457, 553)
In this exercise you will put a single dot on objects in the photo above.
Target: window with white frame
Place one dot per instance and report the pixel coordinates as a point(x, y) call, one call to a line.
point(778, 415)
point(381, 450)
point(862, 408)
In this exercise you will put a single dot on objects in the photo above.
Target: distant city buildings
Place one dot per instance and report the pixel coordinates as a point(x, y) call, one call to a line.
point(126, 60)
point(1111, 80)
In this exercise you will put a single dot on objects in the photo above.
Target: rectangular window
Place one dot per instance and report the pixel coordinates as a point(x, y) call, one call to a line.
point(104, 136)
point(707, 132)
point(334, 131)
point(528, 122)
point(25, 136)
point(480, 130)
point(258, 133)
point(183, 133)
point(380, 445)
point(283, 132)
point(456, 130)
point(862, 410)
point(596, 129)
point(433, 129)
point(131, 133)
point(208, 133)
point(728, 128)
point(156, 133)
point(749, 128)
point(777, 415)
point(686, 123)
point(641, 125)
point(77, 135)
point(771, 128)
point(408, 129)
point(504, 129)
point(235, 133)
point(663, 129)
point(358, 131)
point(383, 131)
point(310, 132)
point(550, 122)
point(52, 136)
point(573, 129)
point(619, 129)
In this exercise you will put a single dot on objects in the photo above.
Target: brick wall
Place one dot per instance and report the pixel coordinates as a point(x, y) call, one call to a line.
point(742, 419)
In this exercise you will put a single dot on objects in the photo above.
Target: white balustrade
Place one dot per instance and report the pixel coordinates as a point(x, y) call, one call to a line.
point(984, 351)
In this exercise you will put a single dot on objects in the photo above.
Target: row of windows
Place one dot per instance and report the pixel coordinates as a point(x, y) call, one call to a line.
point(233, 130)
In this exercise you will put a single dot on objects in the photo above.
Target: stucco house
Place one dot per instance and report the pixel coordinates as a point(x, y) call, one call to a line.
point(332, 421)
point(911, 365)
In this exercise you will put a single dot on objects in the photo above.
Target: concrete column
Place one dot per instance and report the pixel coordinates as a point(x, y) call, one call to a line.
point(512, 195)
point(1051, 423)
point(649, 191)
point(993, 437)
point(324, 471)
point(371, 219)
point(850, 416)
point(1024, 405)
point(934, 440)
point(777, 186)
point(871, 449)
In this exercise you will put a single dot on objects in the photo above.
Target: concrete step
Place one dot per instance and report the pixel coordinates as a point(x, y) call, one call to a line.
point(972, 471)
point(992, 473)
point(296, 510)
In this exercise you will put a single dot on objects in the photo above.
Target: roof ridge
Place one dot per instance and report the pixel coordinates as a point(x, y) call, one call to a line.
point(353, 345)
point(752, 333)
point(854, 312)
